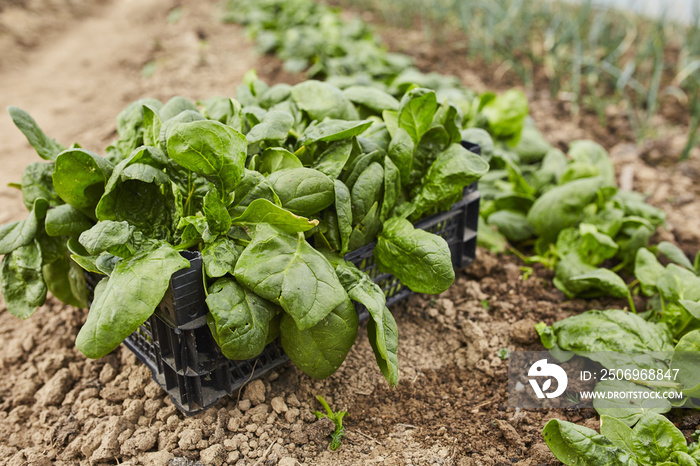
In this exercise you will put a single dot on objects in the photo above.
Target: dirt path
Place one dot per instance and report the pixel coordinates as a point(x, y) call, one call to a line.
point(76, 83)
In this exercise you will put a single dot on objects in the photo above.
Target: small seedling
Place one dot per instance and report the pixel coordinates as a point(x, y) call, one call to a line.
point(337, 418)
point(503, 353)
point(486, 304)
point(526, 271)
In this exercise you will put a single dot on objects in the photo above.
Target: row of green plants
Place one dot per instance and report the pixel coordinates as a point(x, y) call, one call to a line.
point(567, 210)
point(593, 55)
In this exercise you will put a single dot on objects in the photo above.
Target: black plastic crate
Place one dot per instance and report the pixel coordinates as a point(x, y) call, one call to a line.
point(176, 344)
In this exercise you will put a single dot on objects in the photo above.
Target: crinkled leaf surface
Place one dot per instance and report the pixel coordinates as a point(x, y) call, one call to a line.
point(286, 270)
point(238, 319)
point(22, 281)
point(80, 178)
point(220, 257)
point(656, 438)
point(211, 149)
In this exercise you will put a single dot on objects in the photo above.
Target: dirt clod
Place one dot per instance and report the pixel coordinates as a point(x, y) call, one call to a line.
point(523, 332)
point(53, 392)
point(214, 455)
point(143, 439)
point(279, 405)
point(189, 438)
point(255, 392)
point(287, 461)
point(320, 430)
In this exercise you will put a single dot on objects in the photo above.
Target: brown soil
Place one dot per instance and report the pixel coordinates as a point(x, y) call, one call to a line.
point(450, 407)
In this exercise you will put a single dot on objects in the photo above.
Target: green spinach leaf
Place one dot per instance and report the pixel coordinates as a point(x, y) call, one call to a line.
point(421, 260)
point(65, 220)
point(321, 100)
point(65, 280)
point(127, 299)
point(286, 270)
point(238, 319)
point(274, 126)
point(401, 149)
point(367, 191)
point(656, 438)
point(392, 188)
point(343, 208)
point(37, 183)
point(364, 232)
point(275, 158)
point(648, 270)
point(22, 281)
point(372, 98)
point(416, 112)
point(253, 186)
point(303, 191)
point(332, 160)
point(675, 254)
point(211, 149)
point(576, 445)
point(381, 329)
point(46, 147)
point(320, 350)
point(218, 218)
point(80, 178)
point(562, 207)
point(264, 211)
point(506, 115)
point(17, 234)
point(333, 130)
point(452, 171)
point(107, 236)
point(220, 257)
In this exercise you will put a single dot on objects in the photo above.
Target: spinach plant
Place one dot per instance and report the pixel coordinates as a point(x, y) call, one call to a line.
point(337, 418)
point(272, 188)
point(653, 440)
